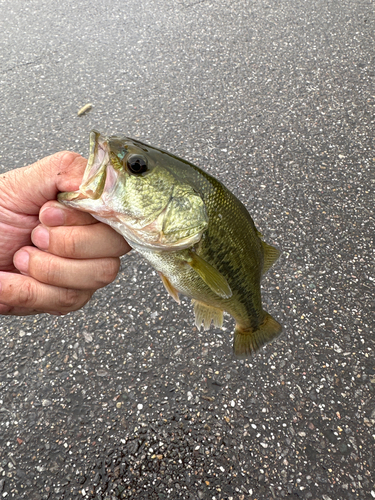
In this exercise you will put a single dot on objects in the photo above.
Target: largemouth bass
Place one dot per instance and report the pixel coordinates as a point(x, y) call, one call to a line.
point(188, 226)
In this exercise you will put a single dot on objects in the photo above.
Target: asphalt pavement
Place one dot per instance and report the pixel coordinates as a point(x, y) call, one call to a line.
point(126, 398)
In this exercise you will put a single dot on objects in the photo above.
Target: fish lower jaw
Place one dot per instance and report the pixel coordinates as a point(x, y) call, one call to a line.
point(157, 245)
point(143, 238)
point(70, 196)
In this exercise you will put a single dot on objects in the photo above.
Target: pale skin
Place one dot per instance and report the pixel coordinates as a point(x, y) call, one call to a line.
point(52, 258)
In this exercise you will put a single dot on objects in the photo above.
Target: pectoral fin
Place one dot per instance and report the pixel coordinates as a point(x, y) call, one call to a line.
point(209, 275)
point(170, 288)
point(206, 314)
point(271, 254)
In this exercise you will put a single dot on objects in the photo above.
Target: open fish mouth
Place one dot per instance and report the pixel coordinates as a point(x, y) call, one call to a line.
point(151, 211)
point(99, 177)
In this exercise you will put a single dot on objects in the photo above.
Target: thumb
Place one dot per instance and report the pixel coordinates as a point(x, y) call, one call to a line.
point(25, 190)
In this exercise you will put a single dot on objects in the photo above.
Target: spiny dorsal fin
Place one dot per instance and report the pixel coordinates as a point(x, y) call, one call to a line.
point(247, 342)
point(271, 254)
point(209, 275)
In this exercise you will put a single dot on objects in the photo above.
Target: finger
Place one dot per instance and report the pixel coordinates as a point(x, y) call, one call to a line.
point(45, 179)
point(23, 311)
point(18, 291)
point(54, 213)
point(85, 274)
point(80, 242)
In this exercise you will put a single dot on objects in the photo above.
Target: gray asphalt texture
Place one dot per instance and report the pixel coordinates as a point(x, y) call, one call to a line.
point(126, 398)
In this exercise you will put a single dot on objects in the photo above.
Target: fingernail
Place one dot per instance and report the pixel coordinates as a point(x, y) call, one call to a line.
point(52, 216)
point(40, 237)
point(21, 261)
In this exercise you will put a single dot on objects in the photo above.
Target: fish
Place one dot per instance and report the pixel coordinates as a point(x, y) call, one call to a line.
point(197, 235)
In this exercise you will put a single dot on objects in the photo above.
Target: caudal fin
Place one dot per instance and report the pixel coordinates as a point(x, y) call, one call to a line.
point(247, 343)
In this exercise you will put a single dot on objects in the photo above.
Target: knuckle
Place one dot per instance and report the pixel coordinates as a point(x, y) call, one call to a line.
point(108, 271)
point(72, 300)
point(50, 272)
point(4, 309)
point(27, 294)
point(63, 159)
point(66, 157)
point(69, 299)
point(86, 297)
point(68, 242)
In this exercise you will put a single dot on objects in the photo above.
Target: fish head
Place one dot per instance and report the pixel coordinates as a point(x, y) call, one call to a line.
point(132, 187)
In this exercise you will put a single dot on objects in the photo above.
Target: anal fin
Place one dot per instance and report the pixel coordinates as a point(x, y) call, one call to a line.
point(169, 287)
point(247, 342)
point(206, 314)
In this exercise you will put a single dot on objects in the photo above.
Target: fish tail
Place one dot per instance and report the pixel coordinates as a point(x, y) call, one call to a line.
point(247, 342)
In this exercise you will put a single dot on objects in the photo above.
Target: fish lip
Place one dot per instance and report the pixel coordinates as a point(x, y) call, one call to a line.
point(91, 168)
point(94, 180)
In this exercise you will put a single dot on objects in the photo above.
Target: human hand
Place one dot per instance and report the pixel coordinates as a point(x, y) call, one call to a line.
point(73, 254)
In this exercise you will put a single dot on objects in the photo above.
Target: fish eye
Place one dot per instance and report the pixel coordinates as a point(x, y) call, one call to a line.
point(137, 164)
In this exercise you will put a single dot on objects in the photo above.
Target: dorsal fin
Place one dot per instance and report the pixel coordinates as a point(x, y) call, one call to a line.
point(271, 254)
